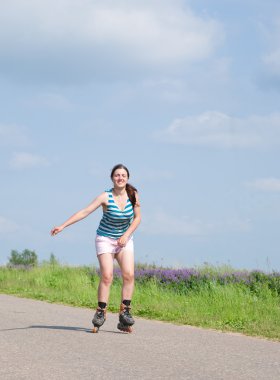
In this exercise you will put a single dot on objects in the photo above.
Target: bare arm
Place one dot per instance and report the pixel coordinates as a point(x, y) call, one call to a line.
point(97, 202)
point(135, 223)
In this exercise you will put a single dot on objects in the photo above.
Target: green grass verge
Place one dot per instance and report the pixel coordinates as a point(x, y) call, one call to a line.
point(231, 307)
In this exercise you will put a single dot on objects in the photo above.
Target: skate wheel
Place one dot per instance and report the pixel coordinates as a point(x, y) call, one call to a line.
point(95, 329)
point(123, 328)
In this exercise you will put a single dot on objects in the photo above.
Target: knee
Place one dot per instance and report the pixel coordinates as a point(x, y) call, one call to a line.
point(128, 276)
point(107, 278)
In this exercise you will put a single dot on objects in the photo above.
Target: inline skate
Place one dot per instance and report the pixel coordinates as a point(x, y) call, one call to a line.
point(98, 319)
point(125, 319)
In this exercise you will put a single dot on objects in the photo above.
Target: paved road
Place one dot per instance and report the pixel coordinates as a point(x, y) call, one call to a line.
point(41, 341)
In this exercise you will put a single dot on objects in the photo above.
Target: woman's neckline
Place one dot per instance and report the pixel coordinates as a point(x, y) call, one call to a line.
point(122, 210)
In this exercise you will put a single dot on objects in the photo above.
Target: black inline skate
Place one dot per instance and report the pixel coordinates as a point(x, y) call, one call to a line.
point(98, 319)
point(125, 319)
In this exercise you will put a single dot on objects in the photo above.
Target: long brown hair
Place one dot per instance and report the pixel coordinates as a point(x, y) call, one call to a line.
point(129, 188)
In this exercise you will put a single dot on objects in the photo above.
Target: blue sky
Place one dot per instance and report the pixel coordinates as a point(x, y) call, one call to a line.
point(185, 93)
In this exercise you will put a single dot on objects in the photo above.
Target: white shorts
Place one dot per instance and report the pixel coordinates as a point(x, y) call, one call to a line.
point(104, 244)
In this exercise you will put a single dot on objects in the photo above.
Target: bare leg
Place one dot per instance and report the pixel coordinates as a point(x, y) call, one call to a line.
point(106, 261)
point(126, 262)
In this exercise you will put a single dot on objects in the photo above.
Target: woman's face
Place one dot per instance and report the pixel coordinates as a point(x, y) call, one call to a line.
point(120, 178)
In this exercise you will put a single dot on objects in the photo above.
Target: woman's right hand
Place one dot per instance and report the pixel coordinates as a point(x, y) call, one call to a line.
point(56, 230)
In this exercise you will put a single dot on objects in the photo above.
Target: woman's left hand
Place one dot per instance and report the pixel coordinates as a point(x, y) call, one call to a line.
point(122, 241)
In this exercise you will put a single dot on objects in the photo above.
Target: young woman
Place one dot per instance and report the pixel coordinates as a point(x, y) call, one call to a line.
point(114, 240)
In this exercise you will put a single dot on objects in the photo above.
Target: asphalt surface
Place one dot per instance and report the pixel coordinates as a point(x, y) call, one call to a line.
point(40, 340)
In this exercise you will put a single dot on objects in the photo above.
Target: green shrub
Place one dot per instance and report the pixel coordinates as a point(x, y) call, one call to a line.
point(26, 258)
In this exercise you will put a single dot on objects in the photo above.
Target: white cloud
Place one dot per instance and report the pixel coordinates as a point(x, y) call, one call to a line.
point(97, 34)
point(12, 135)
point(50, 100)
point(168, 89)
point(161, 223)
point(218, 130)
point(152, 175)
point(192, 86)
point(155, 33)
point(272, 61)
point(235, 224)
point(265, 184)
point(272, 58)
point(7, 226)
point(27, 161)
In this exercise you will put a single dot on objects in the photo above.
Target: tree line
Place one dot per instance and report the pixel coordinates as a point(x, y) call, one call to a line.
point(27, 258)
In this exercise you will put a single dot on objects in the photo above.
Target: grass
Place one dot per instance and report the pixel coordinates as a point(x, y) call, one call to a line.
point(227, 307)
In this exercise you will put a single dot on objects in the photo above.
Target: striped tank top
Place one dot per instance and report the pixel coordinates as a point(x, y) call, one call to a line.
point(115, 222)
